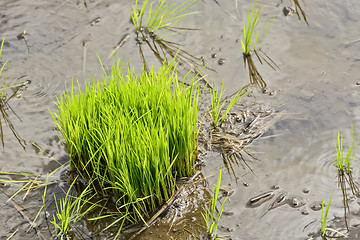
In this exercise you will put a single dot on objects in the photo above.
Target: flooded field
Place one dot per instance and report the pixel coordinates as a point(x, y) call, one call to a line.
point(292, 123)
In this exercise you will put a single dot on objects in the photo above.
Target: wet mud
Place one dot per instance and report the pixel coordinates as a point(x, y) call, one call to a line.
point(277, 146)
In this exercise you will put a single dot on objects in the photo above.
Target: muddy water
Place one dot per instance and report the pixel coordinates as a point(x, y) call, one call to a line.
point(316, 91)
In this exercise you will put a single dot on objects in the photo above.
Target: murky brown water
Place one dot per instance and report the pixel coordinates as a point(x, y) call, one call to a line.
point(316, 90)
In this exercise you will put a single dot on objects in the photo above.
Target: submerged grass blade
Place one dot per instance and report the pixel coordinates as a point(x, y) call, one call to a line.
point(160, 16)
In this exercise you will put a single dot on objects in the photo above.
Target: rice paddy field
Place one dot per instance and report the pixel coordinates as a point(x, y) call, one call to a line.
point(277, 147)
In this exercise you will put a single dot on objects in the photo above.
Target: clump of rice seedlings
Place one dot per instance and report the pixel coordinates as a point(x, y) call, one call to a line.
point(252, 36)
point(342, 163)
point(324, 214)
point(135, 135)
point(212, 216)
point(249, 31)
point(162, 19)
point(69, 210)
point(217, 104)
point(5, 107)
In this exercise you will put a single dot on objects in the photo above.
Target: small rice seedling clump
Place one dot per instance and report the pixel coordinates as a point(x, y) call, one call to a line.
point(217, 104)
point(344, 163)
point(134, 134)
point(324, 214)
point(249, 31)
point(211, 217)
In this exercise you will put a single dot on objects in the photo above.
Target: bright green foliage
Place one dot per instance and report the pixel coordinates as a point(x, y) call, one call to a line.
point(217, 104)
point(324, 214)
point(212, 218)
point(162, 16)
point(249, 30)
point(2, 67)
point(69, 210)
point(344, 164)
point(135, 135)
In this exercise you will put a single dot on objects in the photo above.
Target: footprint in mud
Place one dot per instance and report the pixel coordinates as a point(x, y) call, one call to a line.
point(316, 206)
point(260, 199)
point(280, 198)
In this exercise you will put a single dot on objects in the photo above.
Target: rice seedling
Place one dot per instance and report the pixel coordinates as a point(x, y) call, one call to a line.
point(249, 31)
point(161, 17)
point(217, 104)
point(133, 134)
point(253, 36)
point(324, 214)
point(342, 163)
point(161, 23)
point(212, 218)
point(69, 210)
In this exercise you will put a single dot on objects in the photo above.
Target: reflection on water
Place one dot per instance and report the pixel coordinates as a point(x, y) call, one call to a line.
point(4, 109)
point(162, 19)
point(299, 11)
point(162, 48)
point(254, 75)
point(346, 180)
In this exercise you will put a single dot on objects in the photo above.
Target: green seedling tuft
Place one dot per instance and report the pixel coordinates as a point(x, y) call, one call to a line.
point(249, 31)
point(342, 163)
point(217, 104)
point(160, 23)
point(134, 134)
point(69, 210)
point(160, 17)
point(251, 35)
point(324, 214)
point(212, 218)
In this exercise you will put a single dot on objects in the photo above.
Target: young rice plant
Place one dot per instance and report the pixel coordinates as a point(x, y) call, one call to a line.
point(249, 31)
point(212, 218)
point(217, 104)
point(161, 22)
point(160, 17)
point(133, 134)
point(342, 163)
point(324, 214)
point(69, 210)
